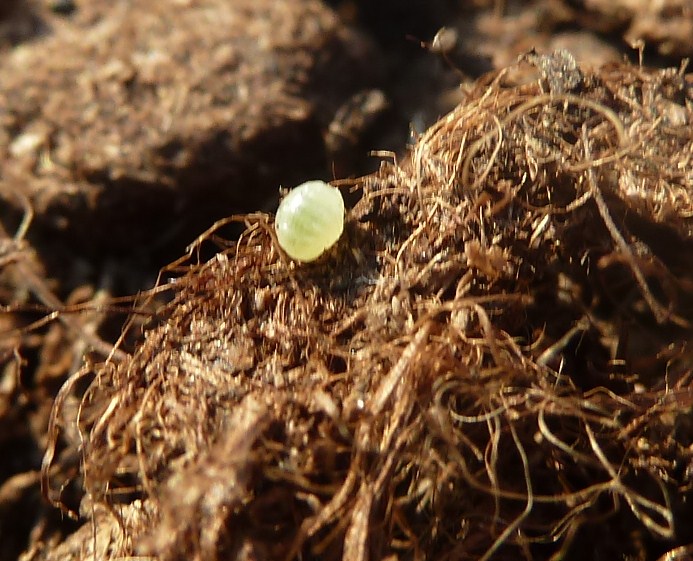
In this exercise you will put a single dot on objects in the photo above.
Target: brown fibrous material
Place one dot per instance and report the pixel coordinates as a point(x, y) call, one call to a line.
point(493, 355)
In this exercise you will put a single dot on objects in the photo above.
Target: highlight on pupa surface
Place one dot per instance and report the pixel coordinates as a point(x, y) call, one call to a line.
point(310, 220)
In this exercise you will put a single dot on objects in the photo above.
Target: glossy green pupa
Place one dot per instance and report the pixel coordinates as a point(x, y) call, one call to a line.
point(310, 220)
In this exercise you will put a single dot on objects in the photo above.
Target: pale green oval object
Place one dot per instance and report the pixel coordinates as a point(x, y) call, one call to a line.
point(310, 220)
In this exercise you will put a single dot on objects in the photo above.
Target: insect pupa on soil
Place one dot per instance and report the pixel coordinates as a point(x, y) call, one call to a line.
point(310, 220)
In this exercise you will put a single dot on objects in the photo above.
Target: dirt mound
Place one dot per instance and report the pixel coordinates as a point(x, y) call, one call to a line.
point(134, 122)
point(492, 362)
point(666, 26)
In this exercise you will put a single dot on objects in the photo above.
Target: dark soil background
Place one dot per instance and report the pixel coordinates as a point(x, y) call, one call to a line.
point(128, 128)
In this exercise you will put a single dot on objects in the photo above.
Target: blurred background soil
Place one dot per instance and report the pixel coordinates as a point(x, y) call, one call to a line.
point(128, 128)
